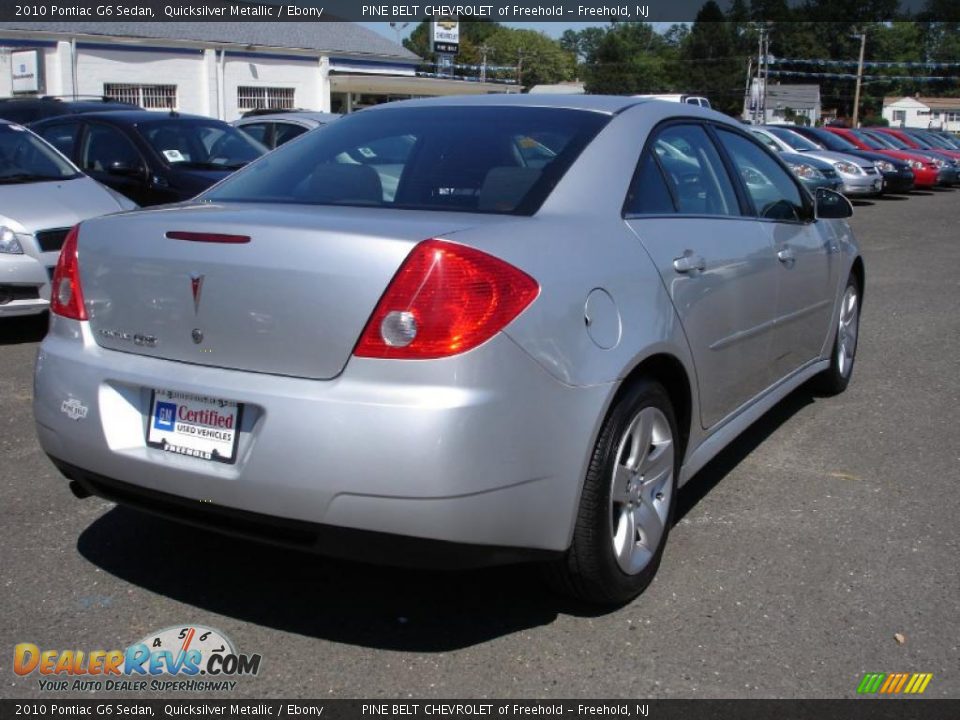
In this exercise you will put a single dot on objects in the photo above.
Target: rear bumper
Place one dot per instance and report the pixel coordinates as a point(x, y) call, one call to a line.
point(484, 449)
point(332, 541)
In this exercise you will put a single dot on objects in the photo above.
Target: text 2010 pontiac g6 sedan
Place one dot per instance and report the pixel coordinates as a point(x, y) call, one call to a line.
point(451, 331)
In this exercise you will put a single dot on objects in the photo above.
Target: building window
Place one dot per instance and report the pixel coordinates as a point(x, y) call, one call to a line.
point(257, 98)
point(151, 97)
point(899, 116)
point(953, 117)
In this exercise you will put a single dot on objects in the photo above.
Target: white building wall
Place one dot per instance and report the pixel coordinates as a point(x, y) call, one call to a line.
point(917, 115)
point(303, 76)
point(97, 66)
point(53, 68)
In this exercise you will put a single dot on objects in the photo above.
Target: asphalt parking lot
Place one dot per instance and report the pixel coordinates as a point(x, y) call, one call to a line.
point(802, 557)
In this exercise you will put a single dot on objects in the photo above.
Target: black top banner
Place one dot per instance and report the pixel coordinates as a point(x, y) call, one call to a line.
point(566, 11)
point(423, 708)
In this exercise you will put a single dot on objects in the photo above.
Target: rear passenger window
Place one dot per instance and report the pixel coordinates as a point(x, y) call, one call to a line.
point(775, 196)
point(284, 132)
point(61, 136)
point(649, 194)
point(258, 131)
point(694, 171)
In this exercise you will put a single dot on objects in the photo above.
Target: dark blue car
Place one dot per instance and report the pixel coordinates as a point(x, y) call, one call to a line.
point(151, 157)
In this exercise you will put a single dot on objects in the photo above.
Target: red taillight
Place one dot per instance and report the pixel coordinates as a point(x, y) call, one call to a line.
point(445, 299)
point(66, 297)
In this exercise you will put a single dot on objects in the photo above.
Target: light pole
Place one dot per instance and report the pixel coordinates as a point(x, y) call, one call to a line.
point(398, 28)
point(856, 93)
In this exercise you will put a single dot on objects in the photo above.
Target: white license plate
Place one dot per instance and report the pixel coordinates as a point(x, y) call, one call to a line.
point(194, 425)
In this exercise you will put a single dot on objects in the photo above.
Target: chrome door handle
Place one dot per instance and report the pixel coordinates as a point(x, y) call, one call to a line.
point(688, 262)
point(786, 256)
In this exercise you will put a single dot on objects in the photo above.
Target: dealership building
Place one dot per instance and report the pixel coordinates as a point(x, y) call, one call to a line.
point(218, 69)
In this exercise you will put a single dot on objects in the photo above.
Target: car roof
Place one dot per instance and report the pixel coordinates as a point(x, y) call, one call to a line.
point(319, 117)
point(134, 116)
point(609, 104)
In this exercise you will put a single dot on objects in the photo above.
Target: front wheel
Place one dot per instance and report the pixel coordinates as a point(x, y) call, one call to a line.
point(627, 502)
point(834, 380)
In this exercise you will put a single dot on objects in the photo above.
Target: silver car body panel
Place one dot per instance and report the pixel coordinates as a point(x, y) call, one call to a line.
point(307, 119)
point(29, 208)
point(487, 447)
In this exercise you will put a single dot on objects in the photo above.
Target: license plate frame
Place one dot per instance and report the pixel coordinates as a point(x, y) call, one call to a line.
point(192, 437)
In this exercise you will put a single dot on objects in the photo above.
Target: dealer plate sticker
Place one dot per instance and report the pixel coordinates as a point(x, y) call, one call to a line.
point(194, 425)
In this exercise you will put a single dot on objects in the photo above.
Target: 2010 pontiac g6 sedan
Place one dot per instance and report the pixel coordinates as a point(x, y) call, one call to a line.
point(451, 332)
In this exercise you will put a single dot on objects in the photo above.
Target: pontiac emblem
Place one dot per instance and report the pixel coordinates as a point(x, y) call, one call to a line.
point(197, 336)
point(196, 282)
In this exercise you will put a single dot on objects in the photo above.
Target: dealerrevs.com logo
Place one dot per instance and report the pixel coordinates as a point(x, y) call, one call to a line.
point(175, 659)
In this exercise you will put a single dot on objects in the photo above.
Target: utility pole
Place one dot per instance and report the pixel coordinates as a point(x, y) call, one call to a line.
point(746, 90)
point(520, 67)
point(484, 49)
point(756, 110)
point(856, 93)
point(766, 69)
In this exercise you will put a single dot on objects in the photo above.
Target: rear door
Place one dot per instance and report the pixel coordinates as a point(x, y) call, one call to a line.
point(716, 263)
point(807, 252)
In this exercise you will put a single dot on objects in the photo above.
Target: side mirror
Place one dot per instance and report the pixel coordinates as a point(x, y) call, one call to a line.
point(831, 205)
point(125, 168)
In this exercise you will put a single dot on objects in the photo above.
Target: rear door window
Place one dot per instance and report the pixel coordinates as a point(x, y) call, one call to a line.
point(258, 131)
point(694, 171)
point(649, 194)
point(285, 132)
point(104, 147)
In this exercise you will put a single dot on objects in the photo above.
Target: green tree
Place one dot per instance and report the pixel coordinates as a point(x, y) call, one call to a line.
point(632, 58)
point(709, 61)
point(539, 58)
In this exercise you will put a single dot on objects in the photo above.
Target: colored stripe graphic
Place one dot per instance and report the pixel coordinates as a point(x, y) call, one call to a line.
point(871, 683)
point(894, 683)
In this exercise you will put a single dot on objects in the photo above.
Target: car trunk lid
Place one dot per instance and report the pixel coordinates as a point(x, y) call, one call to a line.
point(288, 291)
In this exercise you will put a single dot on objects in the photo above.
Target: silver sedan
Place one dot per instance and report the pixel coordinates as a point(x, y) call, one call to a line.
point(42, 194)
point(452, 331)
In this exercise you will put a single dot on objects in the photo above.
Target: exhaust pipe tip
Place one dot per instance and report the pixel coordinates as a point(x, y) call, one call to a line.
point(78, 490)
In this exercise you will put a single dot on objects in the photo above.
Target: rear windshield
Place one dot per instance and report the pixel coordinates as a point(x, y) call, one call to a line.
point(473, 159)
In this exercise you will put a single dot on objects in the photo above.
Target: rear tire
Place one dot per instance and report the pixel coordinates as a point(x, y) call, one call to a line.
point(834, 380)
point(627, 503)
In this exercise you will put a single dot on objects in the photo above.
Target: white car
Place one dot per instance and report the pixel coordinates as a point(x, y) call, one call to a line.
point(42, 195)
point(274, 129)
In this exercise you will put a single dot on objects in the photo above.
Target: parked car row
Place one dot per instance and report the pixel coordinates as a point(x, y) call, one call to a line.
point(870, 161)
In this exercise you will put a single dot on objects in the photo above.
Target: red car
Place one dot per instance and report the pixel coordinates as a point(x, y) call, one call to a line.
point(924, 170)
point(917, 143)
